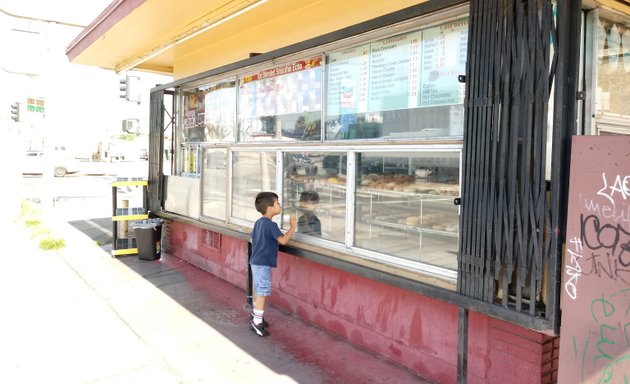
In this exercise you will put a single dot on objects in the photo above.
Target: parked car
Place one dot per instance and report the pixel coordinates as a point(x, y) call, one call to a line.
point(35, 163)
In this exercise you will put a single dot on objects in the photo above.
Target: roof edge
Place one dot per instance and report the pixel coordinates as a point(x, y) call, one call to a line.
point(115, 12)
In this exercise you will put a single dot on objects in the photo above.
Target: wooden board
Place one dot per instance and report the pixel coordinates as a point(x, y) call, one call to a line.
point(595, 327)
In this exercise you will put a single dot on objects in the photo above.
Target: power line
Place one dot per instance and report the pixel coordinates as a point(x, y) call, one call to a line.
point(42, 20)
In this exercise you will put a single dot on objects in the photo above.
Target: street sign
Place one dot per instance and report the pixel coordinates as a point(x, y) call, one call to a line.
point(35, 104)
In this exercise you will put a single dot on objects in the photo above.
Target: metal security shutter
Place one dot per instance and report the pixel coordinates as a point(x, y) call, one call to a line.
point(510, 214)
point(156, 144)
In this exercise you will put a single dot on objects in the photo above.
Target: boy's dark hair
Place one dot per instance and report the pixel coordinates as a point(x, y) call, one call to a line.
point(265, 200)
point(309, 196)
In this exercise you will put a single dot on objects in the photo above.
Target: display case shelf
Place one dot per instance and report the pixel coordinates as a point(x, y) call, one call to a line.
point(411, 228)
point(389, 202)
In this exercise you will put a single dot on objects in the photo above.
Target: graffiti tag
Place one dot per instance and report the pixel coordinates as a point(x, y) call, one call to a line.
point(573, 269)
point(620, 185)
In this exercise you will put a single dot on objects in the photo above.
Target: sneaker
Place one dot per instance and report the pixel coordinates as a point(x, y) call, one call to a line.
point(264, 323)
point(258, 329)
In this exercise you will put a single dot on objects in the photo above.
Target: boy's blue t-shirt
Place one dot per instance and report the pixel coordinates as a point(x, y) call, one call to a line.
point(265, 243)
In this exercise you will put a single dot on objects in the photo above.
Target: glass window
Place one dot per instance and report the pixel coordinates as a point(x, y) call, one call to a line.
point(316, 195)
point(613, 67)
point(404, 205)
point(404, 86)
point(282, 103)
point(252, 172)
point(214, 180)
point(209, 112)
point(189, 160)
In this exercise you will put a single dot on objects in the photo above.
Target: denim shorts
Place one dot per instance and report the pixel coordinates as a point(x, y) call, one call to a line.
point(261, 276)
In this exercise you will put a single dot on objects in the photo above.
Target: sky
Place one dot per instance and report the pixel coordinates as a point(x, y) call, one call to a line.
point(82, 104)
point(80, 12)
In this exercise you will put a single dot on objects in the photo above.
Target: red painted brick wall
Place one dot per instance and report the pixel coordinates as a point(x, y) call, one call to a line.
point(228, 262)
point(410, 329)
point(501, 352)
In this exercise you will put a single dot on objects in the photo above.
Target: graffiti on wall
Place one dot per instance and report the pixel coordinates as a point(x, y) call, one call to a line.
point(595, 328)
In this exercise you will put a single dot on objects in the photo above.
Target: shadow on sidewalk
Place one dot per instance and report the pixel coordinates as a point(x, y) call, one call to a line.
point(304, 352)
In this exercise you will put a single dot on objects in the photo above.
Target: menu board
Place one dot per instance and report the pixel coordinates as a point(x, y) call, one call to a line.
point(443, 60)
point(347, 85)
point(416, 69)
point(290, 88)
point(595, 328)
point(393, 80)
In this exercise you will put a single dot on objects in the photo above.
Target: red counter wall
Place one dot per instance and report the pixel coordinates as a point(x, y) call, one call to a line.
point(413, 330)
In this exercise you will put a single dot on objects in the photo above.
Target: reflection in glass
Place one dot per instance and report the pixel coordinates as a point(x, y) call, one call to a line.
point(317, 196)
point(443, 121)
point(214, 192)
point(209, 112)
point(404, 205)
point(252, 172)
point(613, 67)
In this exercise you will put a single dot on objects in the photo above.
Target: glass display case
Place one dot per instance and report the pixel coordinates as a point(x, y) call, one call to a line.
point(319, 201)
point(403, 205)
point(214, 183)
point(252, 172)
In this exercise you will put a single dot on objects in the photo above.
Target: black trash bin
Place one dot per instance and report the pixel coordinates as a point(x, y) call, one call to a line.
point(148, 239)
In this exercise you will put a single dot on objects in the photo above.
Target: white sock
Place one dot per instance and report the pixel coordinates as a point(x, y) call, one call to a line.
point(258, 316)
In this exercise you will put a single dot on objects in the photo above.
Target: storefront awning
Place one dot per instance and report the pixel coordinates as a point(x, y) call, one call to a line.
point(186, 37)
point(143, 34)
point(189, 36)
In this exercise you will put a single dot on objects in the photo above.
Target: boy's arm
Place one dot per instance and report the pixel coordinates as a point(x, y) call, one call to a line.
point(287, 236)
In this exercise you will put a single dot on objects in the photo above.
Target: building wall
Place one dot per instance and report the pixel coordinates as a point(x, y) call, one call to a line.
point(500, 352)
point(410, 329)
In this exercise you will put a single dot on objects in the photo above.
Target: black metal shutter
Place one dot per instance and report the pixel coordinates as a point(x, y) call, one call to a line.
point(156, 144)
point(511, 226)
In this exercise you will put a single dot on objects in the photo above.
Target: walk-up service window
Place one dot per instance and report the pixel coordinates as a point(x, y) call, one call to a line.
point(361, 139)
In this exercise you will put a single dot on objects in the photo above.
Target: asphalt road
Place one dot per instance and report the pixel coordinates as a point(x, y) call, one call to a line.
point(84, 199)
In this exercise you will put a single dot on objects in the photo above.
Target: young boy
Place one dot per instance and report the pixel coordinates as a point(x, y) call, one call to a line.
point(265, 239)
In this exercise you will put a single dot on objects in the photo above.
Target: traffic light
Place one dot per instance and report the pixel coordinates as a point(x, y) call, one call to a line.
point(129, 88)
point(124, 89)
point(15, 111)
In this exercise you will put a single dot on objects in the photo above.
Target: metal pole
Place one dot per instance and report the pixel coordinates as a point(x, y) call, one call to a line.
point(564, 117)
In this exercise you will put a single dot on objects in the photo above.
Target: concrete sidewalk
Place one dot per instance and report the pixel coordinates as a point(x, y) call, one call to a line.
point(80, 316)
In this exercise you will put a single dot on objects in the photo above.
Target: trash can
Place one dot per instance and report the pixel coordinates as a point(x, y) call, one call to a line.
point(148, 238)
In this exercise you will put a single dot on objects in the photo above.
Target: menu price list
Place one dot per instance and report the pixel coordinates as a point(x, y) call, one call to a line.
point(416, 69)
